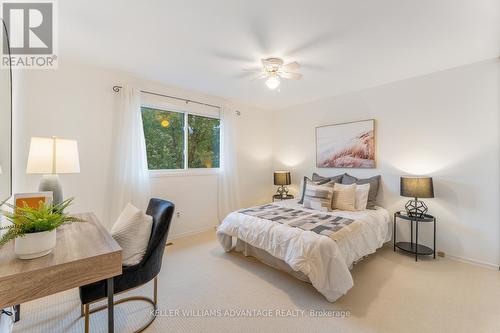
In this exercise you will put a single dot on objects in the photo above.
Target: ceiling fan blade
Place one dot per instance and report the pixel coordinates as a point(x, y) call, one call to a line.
point(291, 76)
point(259, 77)
point(291, 66)
point(255, 70)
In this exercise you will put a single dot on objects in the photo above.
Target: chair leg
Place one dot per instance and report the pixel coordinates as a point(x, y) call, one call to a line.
point(155, 291)
point(86, 310)
point(82, 310)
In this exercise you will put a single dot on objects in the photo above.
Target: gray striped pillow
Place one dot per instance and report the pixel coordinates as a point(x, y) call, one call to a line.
point(318, 197)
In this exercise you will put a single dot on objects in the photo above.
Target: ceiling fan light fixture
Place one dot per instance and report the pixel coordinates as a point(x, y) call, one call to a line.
point(273, 82)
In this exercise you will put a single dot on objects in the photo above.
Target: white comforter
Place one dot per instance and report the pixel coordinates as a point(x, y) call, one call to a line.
point(324, 261)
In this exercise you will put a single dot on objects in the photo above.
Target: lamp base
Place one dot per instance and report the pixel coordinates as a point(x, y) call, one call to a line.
point(50, 183)
point(282, 191)
point(416, 208)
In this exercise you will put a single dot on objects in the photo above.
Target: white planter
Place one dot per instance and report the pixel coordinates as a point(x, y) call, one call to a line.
point(35, 245)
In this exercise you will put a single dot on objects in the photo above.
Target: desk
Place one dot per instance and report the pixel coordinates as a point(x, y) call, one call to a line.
point(85, 253)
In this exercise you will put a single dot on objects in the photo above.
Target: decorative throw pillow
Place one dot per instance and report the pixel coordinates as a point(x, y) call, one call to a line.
point(317, 178)
point(131, 231)
point(361, 196)
point(318, 197)
point(344, 197)
point(374, 186)
point(303, 186)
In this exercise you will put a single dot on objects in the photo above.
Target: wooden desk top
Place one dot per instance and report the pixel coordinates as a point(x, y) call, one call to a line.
point(85, 253)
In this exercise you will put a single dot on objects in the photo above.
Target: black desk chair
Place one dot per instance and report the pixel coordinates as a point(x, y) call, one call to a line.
point(137, 275)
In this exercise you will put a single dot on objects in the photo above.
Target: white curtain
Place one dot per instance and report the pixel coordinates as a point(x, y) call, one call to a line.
point(129, 172)
point(229, 190)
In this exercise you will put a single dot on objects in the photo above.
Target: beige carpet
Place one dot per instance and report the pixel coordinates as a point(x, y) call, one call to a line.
point(391, 293)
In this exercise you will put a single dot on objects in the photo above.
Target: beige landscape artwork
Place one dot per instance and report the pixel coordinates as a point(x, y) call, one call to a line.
point(347, 145)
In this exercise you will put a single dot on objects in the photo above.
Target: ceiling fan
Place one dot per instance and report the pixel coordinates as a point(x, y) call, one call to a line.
point(275, 69)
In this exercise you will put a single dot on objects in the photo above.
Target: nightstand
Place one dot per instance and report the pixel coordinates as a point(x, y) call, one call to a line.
point(281, 198)
point(411, 247)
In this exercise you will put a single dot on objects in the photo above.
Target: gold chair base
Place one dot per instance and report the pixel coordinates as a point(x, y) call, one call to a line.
point(86, 310)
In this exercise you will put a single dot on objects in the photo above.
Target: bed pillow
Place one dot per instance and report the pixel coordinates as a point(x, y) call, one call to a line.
point(344, 197)
point(374, 186)
point(317, 178)
point(318, 197)
point(303, 187)
point(131, 231)
point(361, 196)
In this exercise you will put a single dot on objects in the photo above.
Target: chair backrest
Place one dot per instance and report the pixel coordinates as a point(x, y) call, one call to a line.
point(162, 212)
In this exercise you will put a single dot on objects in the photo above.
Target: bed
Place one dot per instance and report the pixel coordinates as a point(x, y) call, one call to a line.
point(317, 247)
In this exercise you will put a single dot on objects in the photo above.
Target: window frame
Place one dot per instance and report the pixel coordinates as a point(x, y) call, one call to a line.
point(185, 171)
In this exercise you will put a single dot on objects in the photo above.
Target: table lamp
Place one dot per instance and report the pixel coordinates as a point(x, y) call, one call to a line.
point(282, 178)
point(416, 187)
point(50, 157)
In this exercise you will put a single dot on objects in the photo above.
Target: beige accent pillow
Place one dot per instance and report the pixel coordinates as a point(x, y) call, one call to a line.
point(344, 197)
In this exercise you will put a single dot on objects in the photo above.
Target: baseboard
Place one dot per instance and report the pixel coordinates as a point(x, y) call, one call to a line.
point(473, 262)
point(462, 259)
point(388, 244)
point(190, 233)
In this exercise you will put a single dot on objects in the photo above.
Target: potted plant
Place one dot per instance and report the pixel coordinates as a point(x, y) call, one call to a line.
point(34, 229)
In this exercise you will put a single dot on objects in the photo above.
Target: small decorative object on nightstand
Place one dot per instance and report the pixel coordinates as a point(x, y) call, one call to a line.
point(416, 187)
point(280, 197)
point(282, 178)
point(415, 247)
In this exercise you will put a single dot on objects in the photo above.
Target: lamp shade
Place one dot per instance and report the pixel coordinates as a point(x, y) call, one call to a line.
point(53, 156)
point(417, 187)
point(282, 178)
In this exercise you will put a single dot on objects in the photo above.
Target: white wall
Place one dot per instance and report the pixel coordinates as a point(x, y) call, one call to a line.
point(76, 101)
point(445, 125)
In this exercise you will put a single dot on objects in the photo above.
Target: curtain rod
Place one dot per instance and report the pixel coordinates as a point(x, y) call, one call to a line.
point(117, 89)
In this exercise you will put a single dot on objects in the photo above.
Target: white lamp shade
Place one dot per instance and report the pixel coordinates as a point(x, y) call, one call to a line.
point(53, 155)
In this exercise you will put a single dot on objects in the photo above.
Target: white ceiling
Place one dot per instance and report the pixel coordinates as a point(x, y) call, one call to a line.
point(343, 45)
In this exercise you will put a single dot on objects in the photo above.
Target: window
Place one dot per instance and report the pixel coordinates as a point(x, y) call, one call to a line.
point(203, 142)
point(180, 141)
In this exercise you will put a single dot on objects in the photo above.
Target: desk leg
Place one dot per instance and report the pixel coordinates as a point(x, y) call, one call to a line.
point(17, 316)
point(111, 324)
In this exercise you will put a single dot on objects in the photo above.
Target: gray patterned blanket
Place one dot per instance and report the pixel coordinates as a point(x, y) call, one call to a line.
point(328, 225)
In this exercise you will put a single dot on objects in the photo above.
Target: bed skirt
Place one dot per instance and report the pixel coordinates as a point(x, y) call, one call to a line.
point(266, 258)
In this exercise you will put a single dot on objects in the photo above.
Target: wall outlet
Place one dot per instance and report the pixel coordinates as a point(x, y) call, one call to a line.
point(178, 214)
point(441, 254)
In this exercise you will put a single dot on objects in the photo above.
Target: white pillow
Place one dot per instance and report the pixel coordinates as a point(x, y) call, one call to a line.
point(362, 196)
point(131, 231)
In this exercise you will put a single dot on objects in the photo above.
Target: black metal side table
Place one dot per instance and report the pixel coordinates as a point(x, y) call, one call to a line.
point(279, 197)
point(412, 247)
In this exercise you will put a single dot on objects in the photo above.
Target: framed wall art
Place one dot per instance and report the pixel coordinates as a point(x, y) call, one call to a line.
point(346, 145)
